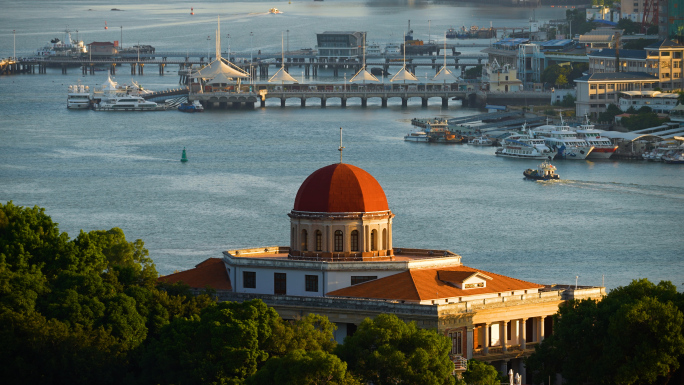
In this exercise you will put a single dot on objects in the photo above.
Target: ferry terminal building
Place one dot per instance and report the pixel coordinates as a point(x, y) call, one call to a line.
point(342, 263)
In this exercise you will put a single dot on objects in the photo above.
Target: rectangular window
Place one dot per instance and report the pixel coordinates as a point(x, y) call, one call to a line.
point(311, 283)
point(592, 86)
point(362, 278)
point(279, 283)
point(456, 342)
point(249, 279)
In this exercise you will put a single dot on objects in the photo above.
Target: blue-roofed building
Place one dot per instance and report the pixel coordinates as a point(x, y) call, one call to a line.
point(596, 91)
point(557, 45)
point(505, 51)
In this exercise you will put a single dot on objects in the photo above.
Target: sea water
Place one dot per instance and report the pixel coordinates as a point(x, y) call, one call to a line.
point(605, 221)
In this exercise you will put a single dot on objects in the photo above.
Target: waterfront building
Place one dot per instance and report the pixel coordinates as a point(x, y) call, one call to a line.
point(662, 59)
point(602, 37)
point(501, 78)
point(656, 100)
point(596, 91)
point(103, 48)
point(342, 262)
point(340, 45)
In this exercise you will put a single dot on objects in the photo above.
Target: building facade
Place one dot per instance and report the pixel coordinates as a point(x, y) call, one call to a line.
point(596, 91)
point(342, 263)
point(341, 45)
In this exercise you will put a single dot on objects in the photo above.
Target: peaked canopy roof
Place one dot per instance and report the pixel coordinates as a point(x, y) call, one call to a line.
point(220, 79)
point(404, 75)
point(444, 75)
point(219, 66)
point(282, 76)
point(363, 75)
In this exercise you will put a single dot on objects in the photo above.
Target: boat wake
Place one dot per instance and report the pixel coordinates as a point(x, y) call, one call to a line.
point(670, 192)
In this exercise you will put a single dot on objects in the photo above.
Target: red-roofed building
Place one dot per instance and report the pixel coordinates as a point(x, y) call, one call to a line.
point(341, 263)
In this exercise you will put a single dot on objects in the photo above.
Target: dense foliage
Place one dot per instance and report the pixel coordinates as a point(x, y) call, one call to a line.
point(387, 350)
point(481, 373)
point(635, 335)
point(563, 76)
point(90, 311)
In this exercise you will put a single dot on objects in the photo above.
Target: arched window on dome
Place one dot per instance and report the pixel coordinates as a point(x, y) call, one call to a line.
point(354, 238)
point(384, 239)
point(338, 241)
point(305, 241)
point(319, 240)
point(373, 240)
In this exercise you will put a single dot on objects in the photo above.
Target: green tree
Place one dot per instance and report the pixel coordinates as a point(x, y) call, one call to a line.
point(300, 367)
point(629, 26)
point(481, 373)
point(387, 350)
point(473, 72)
point(561, 81)
point(635, 335)
point(609, 115)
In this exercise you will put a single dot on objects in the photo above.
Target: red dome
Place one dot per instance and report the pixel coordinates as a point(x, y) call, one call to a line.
point(340, 188)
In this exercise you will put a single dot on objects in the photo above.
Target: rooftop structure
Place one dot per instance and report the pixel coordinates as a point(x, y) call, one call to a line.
point(335, 45)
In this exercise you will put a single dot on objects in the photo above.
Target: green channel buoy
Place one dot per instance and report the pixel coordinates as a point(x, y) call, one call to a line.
point(184, 158)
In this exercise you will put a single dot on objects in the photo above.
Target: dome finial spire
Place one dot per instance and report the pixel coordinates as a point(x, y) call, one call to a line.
point(341, 147)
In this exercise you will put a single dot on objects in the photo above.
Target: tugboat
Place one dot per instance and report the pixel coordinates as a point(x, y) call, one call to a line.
point(545, 171)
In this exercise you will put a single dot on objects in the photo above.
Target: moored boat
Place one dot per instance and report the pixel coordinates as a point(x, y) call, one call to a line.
point(603, 147)
point(418, 136)
point(523, 145)
point(78, 97)
point(128, 103)
point(274, 11)
point(195, 106)
point(545, 171)
point(480, 141)
point(564, 140)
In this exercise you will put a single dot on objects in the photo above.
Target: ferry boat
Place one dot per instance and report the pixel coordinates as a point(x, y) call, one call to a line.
point(481, 141)
point(392, 49)
point(78, 97)
point(373, 49)
point(564, 140)
point(274, 11)
point(676, 157)
point(418, 136)
point(545, 171)
point(523, 145)
point(603, 147)
point(128, 103)
point(67, 47)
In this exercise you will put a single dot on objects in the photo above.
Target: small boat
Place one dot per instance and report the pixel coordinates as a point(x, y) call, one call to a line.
point(451, 33)
point(195, 106)
point(675, 158)
point(545, 171)
point(418, 136)
point(274, 11)
point(128, 103)
point(481, 141)
point(78, 97)
point(184, 157)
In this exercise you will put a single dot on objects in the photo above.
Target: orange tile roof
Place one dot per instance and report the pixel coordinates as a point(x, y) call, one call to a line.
point(425, 285)
point(209, 273)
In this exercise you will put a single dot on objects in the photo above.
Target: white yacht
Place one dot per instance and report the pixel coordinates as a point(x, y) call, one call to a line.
point(78, 97)
point(418, 136)
point(603, 147)
point(524, 146)
point(373, 49)
point(128, 103)
point(564, 140)
point(392, 49)
point(481, 141)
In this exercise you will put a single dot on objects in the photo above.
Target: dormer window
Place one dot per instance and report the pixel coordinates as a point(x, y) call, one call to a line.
point(464, 279)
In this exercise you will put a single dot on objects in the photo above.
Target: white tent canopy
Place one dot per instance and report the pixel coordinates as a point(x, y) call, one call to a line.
point(220, 79)
point(282, 76)
point(363, 76)
point(219, 66)
point(404, 75)
point(444, 75)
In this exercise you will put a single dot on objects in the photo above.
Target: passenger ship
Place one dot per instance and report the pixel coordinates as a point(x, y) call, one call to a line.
point(564, 140)
point(603, 147)
point(523, 145)
point(78, 97)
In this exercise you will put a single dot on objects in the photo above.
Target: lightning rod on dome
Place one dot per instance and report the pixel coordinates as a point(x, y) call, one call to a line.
point(341, 147)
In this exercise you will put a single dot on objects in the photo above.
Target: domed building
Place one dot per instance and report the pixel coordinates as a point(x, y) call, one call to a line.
point(342, 263)
point(341, 214)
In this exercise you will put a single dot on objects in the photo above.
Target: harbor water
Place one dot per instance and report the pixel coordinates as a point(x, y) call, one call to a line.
point(605, 221)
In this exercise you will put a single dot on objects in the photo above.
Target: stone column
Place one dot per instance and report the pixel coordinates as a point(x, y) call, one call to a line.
point(485, 344)
point(504, 335)
point(541, 328)
point(523, 333)
point(469, 342)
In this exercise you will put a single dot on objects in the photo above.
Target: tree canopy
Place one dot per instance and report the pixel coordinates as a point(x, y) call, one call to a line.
point(387, 350)
point(635, 335)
